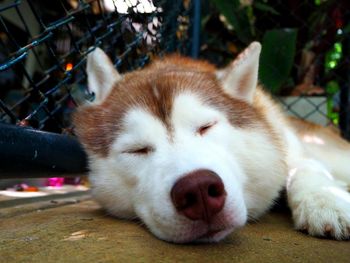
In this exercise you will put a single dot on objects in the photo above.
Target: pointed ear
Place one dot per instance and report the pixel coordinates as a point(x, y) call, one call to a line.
point(101, 74)
point(239, 79)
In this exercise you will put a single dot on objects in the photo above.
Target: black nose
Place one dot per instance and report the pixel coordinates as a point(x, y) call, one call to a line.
point(199, 195)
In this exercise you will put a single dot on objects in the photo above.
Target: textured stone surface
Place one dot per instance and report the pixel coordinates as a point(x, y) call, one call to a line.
point(70, 231)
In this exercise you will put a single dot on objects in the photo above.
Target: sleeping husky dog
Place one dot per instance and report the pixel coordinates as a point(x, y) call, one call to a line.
point(194, 151)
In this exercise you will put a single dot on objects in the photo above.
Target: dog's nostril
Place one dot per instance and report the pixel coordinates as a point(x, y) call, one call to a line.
point(214, 190)
point(190, 199)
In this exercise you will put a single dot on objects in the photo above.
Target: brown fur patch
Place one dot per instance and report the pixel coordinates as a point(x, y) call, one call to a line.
point(154, 89)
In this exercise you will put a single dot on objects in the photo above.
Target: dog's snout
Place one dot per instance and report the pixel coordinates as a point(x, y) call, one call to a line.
point(199, 195)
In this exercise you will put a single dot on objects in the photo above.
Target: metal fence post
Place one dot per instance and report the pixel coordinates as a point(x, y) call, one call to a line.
point(196, 28)
point(344, 115)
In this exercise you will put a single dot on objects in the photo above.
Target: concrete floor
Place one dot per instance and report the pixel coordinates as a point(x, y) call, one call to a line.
point(75, 229)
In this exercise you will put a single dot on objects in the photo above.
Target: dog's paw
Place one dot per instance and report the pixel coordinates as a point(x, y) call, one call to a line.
point(324, 213)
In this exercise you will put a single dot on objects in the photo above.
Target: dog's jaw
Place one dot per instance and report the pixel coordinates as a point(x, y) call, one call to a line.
point(182, 230)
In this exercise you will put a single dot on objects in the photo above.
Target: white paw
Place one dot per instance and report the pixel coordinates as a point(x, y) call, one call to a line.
point(324, 213)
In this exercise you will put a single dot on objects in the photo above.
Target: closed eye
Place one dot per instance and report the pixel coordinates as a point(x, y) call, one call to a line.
point(140, 151)
point(205, 128)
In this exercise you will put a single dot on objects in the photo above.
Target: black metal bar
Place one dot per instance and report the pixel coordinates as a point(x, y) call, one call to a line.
point(196, 28)
point(344, 71)
point(16, 3)
point(344, 115)
point(31, 153)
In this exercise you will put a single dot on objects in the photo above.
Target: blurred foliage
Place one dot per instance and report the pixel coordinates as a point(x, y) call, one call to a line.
point(237, 17)
point(278, 48)
point(333, 56)
point(332, 88)
point(302, 40)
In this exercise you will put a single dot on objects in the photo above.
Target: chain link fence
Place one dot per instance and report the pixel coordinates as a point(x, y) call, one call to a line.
point(44, 45)
point(43, 50)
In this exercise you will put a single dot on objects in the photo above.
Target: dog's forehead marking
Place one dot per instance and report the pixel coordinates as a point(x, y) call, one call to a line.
point(138, 120)
point(159, 89)
point(155, 91)
point(139, 128)
point(186, 111)
point(190, 110)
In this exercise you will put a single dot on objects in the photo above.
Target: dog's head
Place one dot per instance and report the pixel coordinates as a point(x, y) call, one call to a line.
point(179, 145)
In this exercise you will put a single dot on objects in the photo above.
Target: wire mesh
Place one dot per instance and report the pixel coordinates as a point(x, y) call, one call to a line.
point(44, 44)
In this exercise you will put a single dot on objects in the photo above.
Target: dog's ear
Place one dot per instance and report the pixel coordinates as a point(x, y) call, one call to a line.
point(239, 79)
point(101, 74)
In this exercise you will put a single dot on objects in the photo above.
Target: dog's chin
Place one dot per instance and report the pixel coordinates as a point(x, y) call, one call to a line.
point(182, 230)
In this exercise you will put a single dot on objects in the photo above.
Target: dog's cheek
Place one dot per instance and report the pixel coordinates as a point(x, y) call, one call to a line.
point(153, 204)
point(110, 188)
point(160, 219)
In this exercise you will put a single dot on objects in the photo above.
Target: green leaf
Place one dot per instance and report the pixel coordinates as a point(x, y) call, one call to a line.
point(265, 8)
point(277, 57)
point(237, 17)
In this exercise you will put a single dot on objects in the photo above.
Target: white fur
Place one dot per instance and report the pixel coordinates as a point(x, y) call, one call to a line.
point(101, 74)
point(251, 163)
point(319, 202)
point(234, 75)
point(139, 185)
point(149, 179)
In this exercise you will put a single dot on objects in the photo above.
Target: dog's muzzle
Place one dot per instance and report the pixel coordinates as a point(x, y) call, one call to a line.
point(199, 195)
